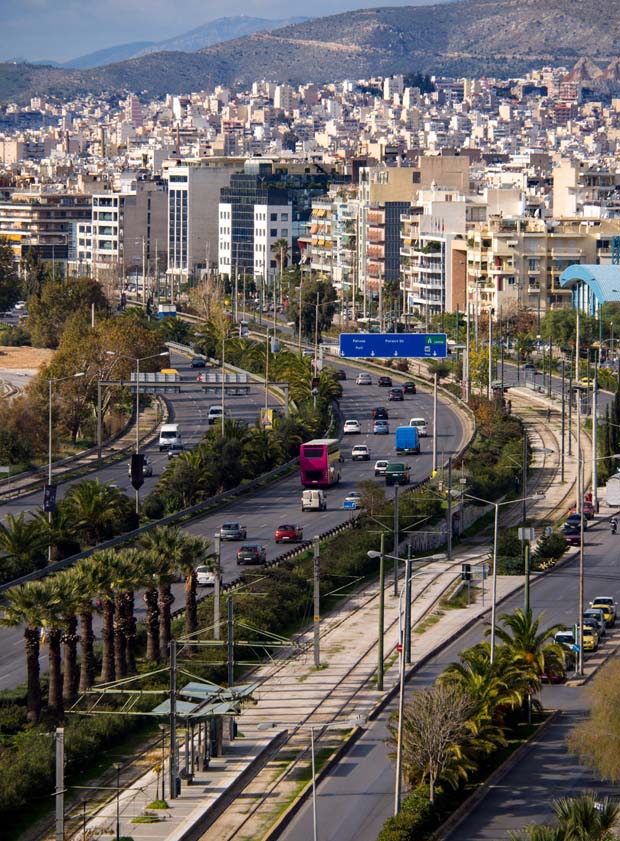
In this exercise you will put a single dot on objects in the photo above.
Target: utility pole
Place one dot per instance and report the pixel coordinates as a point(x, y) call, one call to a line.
point(563, 430)
point(173, 719)
point(434, 424)
point(408, 605)
point(231, 658)
point(59, 740)
point(595, 439)
point(316, 577)
point(449, 512)
point(216, 589)
point(490, 356)
point(381, 612)
point(524, 478)
point(396, 538)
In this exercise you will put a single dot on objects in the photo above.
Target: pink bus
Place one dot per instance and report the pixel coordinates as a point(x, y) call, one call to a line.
point(319, 463)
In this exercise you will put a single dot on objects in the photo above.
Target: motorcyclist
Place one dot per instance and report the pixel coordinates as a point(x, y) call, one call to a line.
point(614, 525)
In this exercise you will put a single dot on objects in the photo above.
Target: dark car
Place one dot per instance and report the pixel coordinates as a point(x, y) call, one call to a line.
point(289, 534)
point(573, 523)
point(197, 362)
point(338, 374)
point(409, 387)
point(384, 382)
point(396, 394)
point(251, 553)
point(380, 413)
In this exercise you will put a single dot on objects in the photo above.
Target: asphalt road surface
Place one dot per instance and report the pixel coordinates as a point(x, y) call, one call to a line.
point(281, 502)
point(357, 796)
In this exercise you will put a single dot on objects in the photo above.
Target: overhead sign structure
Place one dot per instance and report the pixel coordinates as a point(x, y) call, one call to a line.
point(394, 345)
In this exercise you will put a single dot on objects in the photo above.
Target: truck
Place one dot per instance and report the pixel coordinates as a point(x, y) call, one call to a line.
point(407, 440)
point(612, 492)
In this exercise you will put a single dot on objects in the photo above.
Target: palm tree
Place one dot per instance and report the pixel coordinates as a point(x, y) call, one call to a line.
point(528, 645)
point(51, 621)
point(94, 509)
point(127, 575)
point(193, 553)
point(539, 832)
point(66, 595)
point(86, 591)
point(22, 542)
point(24, 608)
point(587, 817)
point(149, 566)
point(60, 533)
point(100, 569)
point(164, 544)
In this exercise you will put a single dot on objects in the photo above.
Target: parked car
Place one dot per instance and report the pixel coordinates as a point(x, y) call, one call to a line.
point(529, 366)
point(205, 577)
point(251, 553)
point(592, 624)
point(197, 362)
point(380, 413)
point(289, 534)
point(609, 611)
point(590, 639)
point(384, 382)
point(353, 500)
point(597, 614)
point(381, 467)
point(352, 427)
point(364, 379)
point(396, 394)
point(233, 531)
point(147, 468)
point(409, 387)
point(360, 453)
point(380, 427)
point(566, 639)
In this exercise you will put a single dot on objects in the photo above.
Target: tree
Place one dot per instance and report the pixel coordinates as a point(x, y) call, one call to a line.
point(435, 725)
point(24, 607)
point(192, 553)
point(583, 818)
point(58, 301)
point(51, 617)
point(9, 280)
point(326, 307)
point(22, 544)
point(165, 545)
point(96, 510)
point(99, 569)
point(85, 590)
point(597, 740)
point(63, 586)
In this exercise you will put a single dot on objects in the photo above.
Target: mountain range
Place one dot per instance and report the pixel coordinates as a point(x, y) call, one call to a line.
point(472, 37)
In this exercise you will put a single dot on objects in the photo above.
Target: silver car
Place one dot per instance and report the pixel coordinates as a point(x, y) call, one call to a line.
point(233, 531)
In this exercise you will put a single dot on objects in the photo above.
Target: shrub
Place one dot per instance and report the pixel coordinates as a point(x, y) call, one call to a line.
point(417, 819)
point(551, 547)
point(509, 553)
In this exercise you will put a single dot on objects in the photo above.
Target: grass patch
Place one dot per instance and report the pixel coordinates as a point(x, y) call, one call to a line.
point(158, 804)
point(146, 819)
point(428, 622)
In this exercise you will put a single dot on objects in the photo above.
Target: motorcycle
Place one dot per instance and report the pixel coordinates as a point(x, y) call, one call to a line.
point(614, 526)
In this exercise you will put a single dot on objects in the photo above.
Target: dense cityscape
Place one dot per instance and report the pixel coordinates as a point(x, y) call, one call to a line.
point(309, 428)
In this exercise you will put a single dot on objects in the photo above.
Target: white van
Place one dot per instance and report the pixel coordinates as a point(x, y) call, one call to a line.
point(313, 500)
point(170, 436)
point(421, 425)
point(215, 414)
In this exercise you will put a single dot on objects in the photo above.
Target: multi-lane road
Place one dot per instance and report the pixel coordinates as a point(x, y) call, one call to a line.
point(356, 798)
point(279, 502)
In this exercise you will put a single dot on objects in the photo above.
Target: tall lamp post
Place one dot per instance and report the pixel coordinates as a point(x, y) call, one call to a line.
point(497, 506)
point(403, 629)
point(137, 360)
point(50, 382)
point(354, 721)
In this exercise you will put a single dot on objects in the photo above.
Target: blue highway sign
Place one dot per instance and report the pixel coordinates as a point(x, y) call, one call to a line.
point(394, 345)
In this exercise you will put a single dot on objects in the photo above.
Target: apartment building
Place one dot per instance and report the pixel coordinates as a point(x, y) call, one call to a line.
point(44, 222)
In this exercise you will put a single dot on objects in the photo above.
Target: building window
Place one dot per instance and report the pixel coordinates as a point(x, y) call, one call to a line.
point(273, 232)
point(274, 217)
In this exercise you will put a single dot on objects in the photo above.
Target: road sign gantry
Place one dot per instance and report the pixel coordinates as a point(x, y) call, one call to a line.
point(394, 345)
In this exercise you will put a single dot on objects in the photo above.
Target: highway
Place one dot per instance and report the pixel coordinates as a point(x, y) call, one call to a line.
point(281, 501)
point(357, 796)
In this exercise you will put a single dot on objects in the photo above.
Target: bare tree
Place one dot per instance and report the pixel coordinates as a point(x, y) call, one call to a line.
point(436, 724)
point(597, 740)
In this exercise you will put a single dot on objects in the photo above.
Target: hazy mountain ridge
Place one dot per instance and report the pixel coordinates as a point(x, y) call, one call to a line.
point(473, 37)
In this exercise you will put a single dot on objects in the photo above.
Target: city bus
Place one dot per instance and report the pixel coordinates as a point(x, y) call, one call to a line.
point(319, 463)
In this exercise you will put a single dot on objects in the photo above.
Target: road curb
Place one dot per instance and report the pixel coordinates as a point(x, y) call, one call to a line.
point(467, 807)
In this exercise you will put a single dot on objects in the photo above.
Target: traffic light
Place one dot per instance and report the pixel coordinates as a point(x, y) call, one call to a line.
point(137, 470)
point(466, 572)
point(49, 499)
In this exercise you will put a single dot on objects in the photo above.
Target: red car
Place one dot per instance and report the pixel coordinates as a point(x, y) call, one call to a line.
point(289, 534)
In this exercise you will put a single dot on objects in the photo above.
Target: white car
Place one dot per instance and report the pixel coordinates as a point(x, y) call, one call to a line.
point(360, 453)
point(205, 577)
point(421, 425)
point(364, 379)
point(352, 427)
point(381, 467)
point(353, 500)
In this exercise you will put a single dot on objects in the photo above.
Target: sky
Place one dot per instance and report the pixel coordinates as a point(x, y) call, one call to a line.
point(61, 30)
